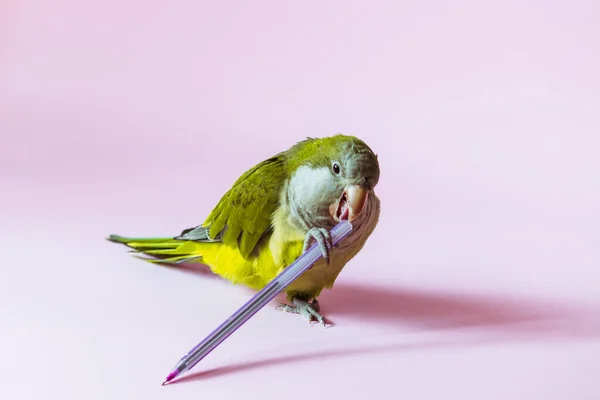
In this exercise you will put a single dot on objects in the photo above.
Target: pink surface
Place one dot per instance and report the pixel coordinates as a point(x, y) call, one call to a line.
point(482, 280)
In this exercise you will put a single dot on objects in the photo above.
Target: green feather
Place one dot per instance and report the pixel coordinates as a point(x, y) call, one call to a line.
point(319, 152)
point(159, 250)
point(138, 243)
point(243, 215)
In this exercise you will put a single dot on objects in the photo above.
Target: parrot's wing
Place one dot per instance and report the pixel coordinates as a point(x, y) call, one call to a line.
point(243, 215)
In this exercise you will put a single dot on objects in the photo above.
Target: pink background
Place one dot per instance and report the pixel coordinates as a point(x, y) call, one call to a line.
point(482, 280)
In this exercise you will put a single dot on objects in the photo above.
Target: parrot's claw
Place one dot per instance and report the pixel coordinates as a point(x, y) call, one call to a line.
point(323, 239)
point(304, 308)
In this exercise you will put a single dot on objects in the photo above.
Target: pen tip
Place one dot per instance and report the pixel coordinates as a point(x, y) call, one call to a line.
point(169, 378)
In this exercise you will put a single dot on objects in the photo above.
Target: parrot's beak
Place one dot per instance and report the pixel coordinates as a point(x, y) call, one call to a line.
point(350, 204)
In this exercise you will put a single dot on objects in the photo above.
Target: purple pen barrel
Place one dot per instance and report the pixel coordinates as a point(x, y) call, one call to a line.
point(224, 330)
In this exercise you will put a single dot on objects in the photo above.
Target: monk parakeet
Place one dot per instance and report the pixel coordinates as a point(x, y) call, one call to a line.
point(274, 212)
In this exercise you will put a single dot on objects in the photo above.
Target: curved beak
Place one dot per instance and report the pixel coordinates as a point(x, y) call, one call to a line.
point(357, 198)
point(350, 205)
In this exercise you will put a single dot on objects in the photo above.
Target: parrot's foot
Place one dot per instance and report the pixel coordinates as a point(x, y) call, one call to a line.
point(323, 239)
point(308, 310)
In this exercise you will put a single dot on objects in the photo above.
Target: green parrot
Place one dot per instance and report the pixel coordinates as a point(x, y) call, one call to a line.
point(274, 212)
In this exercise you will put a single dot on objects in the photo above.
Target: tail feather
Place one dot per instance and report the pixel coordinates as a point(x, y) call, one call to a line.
point(157, 250)
point(170, 260)
point(143, 241)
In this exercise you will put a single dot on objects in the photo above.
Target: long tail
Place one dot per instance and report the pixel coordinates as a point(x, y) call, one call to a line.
point(159, 250)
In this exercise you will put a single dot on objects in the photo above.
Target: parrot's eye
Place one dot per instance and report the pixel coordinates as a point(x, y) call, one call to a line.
point(336, 168)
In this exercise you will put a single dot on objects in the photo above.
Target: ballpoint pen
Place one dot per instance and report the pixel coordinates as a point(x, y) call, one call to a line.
point(258, 301)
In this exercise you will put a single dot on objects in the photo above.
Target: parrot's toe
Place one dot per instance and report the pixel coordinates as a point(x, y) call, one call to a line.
point(323, 239)
point(309, 310)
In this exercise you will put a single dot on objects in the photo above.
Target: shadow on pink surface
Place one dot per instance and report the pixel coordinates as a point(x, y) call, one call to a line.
point(429, 309)
point(480, 320)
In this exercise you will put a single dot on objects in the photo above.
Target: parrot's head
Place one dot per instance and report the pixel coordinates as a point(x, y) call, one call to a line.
point(333, 176)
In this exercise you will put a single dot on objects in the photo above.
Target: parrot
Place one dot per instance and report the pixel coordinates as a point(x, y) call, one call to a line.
point(274, 212)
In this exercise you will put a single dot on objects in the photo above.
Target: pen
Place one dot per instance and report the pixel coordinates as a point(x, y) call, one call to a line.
point(258, 301)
